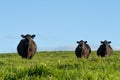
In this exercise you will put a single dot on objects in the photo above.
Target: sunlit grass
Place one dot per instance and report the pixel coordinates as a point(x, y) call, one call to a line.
point(60, 65)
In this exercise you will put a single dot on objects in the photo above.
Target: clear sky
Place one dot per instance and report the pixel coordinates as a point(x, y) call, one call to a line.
point(58, 24)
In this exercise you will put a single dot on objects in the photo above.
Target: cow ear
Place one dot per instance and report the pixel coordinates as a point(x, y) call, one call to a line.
point(102, 42)
point(78, 42)
point(22, 36)
point(33, 36)
point(85, 41)
point(109, 42)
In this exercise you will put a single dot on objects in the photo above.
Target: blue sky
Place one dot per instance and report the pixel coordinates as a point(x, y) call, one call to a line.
point(59, 24)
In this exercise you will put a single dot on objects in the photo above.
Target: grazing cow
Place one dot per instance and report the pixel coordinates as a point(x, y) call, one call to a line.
point(27, 47)
point(83, 49)
point(105, 49)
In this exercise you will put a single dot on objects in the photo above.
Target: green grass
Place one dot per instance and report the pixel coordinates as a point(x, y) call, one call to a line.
point(60, 65)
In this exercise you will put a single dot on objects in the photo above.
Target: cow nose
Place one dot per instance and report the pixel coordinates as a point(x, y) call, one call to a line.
point(29, 43)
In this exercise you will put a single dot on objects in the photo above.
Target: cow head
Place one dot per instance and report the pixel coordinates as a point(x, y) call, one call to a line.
point(28, 38)
point(81, 44)
point(105, 43)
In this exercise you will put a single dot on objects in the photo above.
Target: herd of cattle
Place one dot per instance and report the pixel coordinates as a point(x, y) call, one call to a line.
point(27, 48)
point(84, 50)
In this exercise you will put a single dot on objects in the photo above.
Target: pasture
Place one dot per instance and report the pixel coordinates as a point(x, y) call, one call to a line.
point(59, 65)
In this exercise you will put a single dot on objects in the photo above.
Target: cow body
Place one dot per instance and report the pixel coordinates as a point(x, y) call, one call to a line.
point(27, 47)
point(105, 49)
point(83, 49)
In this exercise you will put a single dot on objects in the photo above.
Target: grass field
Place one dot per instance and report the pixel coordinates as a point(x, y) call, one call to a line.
point(60, 65)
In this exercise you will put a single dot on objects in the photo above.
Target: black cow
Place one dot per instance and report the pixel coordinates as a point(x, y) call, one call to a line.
point(105, 49)
point(83, 49)
point(27, 47)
